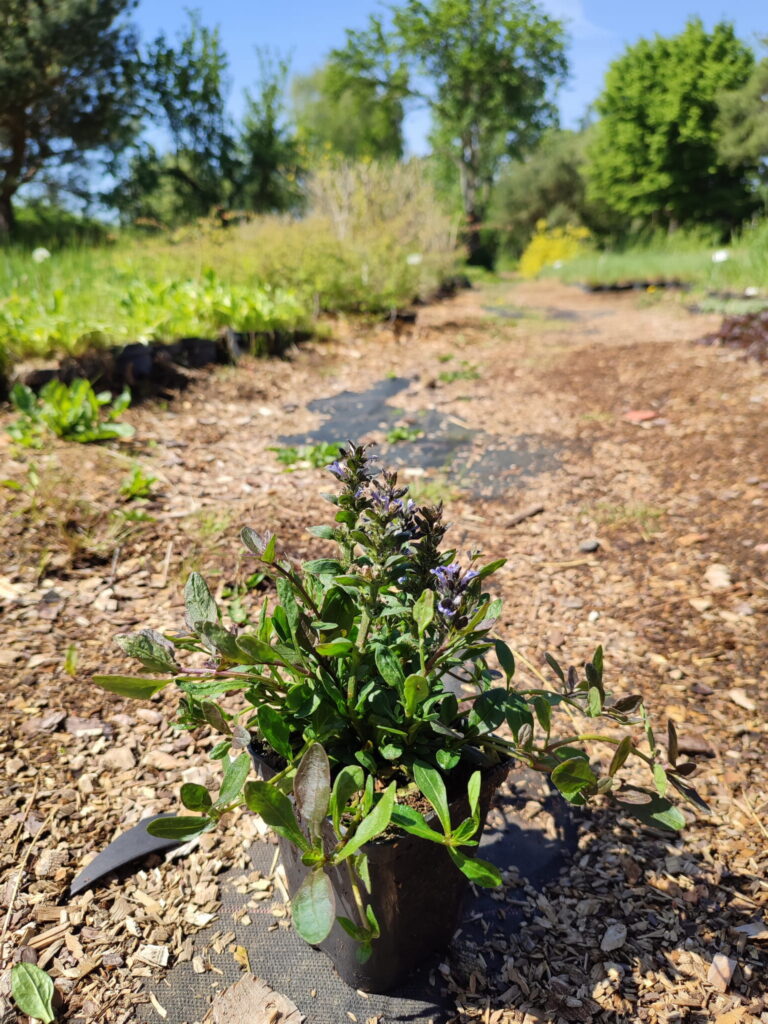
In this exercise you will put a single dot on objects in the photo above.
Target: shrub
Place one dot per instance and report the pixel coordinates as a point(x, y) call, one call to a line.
point(551, 246)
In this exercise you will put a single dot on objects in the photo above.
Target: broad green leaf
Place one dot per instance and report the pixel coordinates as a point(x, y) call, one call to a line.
point(430, 782)
point(138, 687)
point(424, 610)
point(214, 716)
point(151, 648)
point(235, 774)
point(220, 640)
point(313, 907)
point(574, 778)
point(660, 780)
point(32, 991)
point(594, 702)
point(258, 651)
point(490, 568)
point(656, 811)
point(276, 810)
point(389, 666)
point(275, 730)
point(553, 664)
point(182, 828)
point(481, 872)
point(489, 710)
point(199, 602)
point(312, 788)
point(505, 658)
point(447, 759)
point(349, 781)
point(195, 797)
point(620, 755)
point(372, 825)
point(415, 690)
point(543, 710)
point(335, 648)
point(323, 567)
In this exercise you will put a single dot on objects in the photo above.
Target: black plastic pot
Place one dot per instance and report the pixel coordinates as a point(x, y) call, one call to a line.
point(416, 894)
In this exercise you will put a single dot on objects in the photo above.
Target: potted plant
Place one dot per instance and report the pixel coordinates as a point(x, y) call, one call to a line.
point(375, 770)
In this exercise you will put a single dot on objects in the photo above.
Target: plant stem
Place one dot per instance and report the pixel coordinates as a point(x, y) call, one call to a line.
point(356, 893)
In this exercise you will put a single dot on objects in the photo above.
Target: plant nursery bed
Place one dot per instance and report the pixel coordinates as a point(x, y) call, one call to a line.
point(646, 533)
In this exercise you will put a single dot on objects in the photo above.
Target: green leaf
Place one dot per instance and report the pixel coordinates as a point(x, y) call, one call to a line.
point(220, 640)
point(655, 810)
point(389, 666)
point(138, 687)
point(151, 648)
point(473, 793)
point(672, 743)
point(182, 828)
point(430, 782)
point(594, 702)
point(326, 532)
point(574, 778)
point(32, 991)
point(323, 567)
point(447, 759)
point(372, 825)
point(505, 658)
point(554, 665)
point(490, 568)
point(349, 781)
point(543, 710)
point(214, 716)
point(489, 710)
point(597, 662)
point(335, 648)
point(424, 610)
point(235, 774)
point(660, 780)
point(276, 810)
point(410, 820)
point(620, 755)
point(195, 797)
point(313, 907)
point(198, 600)
point(415, 690)
point(258, 651)
point(268, 554)
point(275, 730)
point(481, 872)
point(312, 788)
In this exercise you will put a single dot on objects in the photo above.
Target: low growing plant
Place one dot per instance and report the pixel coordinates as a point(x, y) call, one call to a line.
point(74, 412)
point(344, 688)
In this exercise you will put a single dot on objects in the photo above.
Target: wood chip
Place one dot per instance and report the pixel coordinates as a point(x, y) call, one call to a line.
point(251, 1001)
point(720, 972)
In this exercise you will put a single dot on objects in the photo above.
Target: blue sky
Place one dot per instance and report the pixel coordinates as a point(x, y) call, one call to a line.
point(305, 30)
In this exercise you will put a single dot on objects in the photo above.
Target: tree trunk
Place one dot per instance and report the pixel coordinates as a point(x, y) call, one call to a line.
point(7, 219)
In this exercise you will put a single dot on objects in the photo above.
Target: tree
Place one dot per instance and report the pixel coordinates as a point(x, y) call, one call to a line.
point(354, 119)
point(549, 185)
point(67, 87)
point(212, 164)
point(742, 123)
point(654, 154)
point(487, 69)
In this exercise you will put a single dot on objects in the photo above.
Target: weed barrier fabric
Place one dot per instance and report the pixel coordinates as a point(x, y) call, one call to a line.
point(482, 465)
point(537, 847)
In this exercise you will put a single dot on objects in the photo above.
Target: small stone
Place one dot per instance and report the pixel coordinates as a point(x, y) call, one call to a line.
point(589, 545)
point(573, 602)
point(693, 743)
point(761, 549)
point(739, 697)
point(614, 938)
point(120, 758)
point(593, 616)
point(160, 760)
point(720, 972)
point(149, 715)
point(44, 724)
point(699, 604)
point(718, 576)
point(86, 726)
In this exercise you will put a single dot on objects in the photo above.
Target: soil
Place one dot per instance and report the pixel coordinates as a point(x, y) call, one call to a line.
point(621, 469)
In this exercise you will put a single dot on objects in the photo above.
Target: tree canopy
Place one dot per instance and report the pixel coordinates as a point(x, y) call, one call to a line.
point(487, 70)
point(68, 78)
point(654, 154)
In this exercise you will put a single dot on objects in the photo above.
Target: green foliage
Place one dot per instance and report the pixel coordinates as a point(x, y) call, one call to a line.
point(72, 412)
point(403, 433)
point(138, 484)
point(315, 456)
point(68, 72)
point(654, 152)
point(32, 991)
point(742, 125)
point(343, 681)
point(548, 184)
point(352, 117)
point(487, 70)
point(551, 246)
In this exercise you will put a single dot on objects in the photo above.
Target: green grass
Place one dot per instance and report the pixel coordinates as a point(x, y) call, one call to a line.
point(680, 257)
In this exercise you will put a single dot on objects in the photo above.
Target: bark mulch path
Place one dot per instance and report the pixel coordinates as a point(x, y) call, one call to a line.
point(650, 536)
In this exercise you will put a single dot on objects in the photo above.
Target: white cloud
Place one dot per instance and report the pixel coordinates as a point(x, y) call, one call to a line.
point(577, 23)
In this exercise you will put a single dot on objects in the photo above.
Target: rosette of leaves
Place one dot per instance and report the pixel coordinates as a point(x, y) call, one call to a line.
point(345, 683)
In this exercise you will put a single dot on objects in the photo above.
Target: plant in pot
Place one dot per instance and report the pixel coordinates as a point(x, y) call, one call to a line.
point(374, 766)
